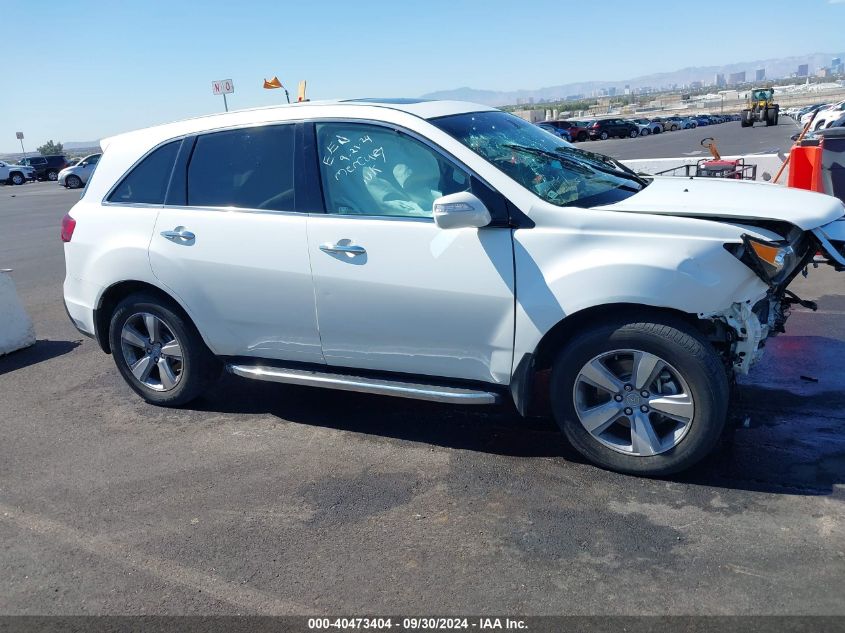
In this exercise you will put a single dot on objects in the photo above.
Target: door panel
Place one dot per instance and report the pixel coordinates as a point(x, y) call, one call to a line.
point(394, 292)
point(420, 300)
point(230, 244)
point(245, 280)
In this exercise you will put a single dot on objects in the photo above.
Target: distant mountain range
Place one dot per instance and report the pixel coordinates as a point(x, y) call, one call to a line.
point(775, 68)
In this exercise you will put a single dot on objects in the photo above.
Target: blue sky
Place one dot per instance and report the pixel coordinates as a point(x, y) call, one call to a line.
point(82, 70)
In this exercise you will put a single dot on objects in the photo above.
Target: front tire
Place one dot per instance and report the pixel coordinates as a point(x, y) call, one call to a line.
point(17, 178)
point(634, 133)
point(645, 396)
point(52, 175)
point(159, 352)
point(73, 182)
point(583, 136)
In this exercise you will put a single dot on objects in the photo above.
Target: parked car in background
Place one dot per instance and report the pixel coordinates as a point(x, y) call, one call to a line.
point(77, 175)
point(648, 127)
point(689, 123)
point(46, 167)
point(562, 133)
point(808, 114)
point(673, 123)
point(527, 269)
point(13, 174)
point(577, 129)
point(659, 120)
point(607, 128)
point(826, 116)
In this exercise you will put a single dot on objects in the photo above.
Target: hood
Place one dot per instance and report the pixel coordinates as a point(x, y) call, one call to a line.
point(720, 198)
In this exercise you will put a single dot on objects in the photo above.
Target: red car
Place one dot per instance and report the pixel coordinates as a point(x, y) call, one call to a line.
point(577, 129)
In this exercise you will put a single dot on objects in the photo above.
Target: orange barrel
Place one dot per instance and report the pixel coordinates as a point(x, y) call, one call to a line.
point(805, 168)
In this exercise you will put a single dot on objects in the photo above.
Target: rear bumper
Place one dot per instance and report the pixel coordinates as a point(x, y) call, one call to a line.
point(78, 299)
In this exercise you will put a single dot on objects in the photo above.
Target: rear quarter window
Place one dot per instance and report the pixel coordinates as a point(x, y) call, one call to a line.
point(148, 180)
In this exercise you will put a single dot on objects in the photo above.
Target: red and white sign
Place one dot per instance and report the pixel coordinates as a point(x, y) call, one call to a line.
point(223, 87)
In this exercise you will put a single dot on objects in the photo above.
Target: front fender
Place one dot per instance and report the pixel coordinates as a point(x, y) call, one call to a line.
point(560, 273)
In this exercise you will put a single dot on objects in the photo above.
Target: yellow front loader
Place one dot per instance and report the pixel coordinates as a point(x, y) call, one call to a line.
point(761, 107)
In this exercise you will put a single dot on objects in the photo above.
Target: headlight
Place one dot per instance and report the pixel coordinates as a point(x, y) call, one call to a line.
point(774, 257)
point(772, 261)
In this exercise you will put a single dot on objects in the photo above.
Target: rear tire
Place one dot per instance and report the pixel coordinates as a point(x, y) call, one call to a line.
point(674, 128)
point(634, 133)
point(603, 136)
point(688, 378)
point(178, 366)
point(583, 136)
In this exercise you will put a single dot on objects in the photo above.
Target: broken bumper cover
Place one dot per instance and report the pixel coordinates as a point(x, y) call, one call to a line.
point(749, 331)
point(831, 237)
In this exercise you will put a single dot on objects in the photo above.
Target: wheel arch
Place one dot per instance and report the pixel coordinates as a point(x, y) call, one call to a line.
point(529, 384)
point(116, 293)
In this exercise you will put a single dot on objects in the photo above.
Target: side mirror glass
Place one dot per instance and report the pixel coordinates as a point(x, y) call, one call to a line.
point(460, 211)
point(84, 165)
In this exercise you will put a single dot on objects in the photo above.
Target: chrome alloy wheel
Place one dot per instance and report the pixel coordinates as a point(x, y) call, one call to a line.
point(152, 351)
point(633, 402)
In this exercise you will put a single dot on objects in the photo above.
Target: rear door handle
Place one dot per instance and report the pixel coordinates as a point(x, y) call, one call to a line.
point(352, 249)
point(179, 234)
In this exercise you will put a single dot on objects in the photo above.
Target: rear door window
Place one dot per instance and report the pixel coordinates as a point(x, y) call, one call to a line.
point(250, 168)
point(147, 182)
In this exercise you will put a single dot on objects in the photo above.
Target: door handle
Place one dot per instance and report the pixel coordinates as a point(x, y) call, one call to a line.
point(352, 249)
point(180, 233)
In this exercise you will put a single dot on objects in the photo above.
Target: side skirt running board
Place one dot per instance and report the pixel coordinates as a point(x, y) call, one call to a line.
point(362, 384)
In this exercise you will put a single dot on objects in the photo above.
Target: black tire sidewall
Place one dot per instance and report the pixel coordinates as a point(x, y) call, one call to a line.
point(700, 368)
point(198, 364)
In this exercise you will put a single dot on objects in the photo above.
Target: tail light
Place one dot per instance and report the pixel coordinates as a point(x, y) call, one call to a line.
point(68, 225)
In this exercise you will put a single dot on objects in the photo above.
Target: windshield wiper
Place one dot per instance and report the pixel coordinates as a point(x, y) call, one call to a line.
point(601, 158)
point(577, 165)
point(581, 164)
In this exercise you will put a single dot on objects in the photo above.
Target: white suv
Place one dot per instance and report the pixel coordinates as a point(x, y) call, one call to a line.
point(15, 174)
point(443, 251)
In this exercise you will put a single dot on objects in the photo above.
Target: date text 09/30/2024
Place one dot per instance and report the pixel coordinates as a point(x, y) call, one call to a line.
point(416, 624)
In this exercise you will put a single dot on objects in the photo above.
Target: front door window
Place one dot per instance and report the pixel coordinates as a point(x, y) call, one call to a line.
point(374, 170)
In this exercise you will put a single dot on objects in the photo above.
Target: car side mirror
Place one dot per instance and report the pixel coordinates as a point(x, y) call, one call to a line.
point(460, 211)
point(83, 165)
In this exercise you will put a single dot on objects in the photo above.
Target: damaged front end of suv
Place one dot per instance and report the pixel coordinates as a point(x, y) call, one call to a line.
point(743, 328)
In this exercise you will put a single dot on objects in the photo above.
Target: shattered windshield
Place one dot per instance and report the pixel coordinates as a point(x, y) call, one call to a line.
point(554, 170)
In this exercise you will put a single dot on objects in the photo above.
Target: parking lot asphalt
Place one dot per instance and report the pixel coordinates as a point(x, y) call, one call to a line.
point(263, 498)
point(731, 138)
